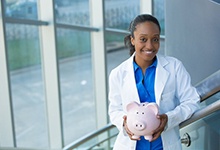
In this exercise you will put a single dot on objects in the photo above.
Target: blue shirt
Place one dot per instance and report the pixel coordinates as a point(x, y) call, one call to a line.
point(145, 87)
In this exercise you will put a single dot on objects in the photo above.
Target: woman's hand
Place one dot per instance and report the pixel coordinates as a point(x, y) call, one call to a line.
point(163, 122)
point(130, 134)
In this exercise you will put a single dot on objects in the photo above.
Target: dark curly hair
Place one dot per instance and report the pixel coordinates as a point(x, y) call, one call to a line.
point(139, 19)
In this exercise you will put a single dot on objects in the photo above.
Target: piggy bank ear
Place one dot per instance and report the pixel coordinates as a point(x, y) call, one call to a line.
point(154, 107)
point(132, 105)
point(144, 104)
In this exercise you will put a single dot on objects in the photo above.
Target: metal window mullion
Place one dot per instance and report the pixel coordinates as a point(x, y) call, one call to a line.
point(51, 77)
point(76, 27)
point(99, 61)
point(146, 6)
point(25, 21)
point(116, 31)
point(7, 136)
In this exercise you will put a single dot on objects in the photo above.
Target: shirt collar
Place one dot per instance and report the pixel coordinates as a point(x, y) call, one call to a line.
point(154, 64)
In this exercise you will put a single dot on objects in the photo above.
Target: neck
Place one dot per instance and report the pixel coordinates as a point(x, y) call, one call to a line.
point(143, 64)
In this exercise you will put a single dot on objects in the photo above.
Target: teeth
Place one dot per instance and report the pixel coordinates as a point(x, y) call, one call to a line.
point(148, 52)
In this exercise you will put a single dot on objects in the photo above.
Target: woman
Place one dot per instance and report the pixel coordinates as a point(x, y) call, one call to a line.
point(148, 77)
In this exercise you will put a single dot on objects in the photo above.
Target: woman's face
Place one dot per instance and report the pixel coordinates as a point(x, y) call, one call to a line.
point(146, 41)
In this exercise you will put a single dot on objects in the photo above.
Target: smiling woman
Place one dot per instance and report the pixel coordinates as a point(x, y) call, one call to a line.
point(146, 43)
point(144, 77)
point(55, 60)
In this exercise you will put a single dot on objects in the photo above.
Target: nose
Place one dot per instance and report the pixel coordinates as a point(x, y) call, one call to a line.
point(149, 45)
point(139, 126)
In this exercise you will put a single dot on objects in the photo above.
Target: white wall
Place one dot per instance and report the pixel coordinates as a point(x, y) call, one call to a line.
point(193, 35)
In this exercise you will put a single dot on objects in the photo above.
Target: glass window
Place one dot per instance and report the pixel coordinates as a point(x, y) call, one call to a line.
point(116, 51)
point(26, 9)
point(27, 88)
point(119, 13)
point(72, 12)
point(76, 84)
point(202, 129)
point(158, 12)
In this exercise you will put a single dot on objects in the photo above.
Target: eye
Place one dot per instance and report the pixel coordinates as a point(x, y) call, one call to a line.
point(156, 39)
point(143, 39)
point(142, 113)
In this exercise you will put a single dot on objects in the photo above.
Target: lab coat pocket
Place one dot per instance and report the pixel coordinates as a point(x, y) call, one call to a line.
point(168, 95)
point(168, 101)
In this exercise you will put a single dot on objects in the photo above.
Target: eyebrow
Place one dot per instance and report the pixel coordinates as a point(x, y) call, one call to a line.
point(156, 34)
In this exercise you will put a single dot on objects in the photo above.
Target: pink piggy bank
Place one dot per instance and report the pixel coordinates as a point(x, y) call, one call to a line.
point(142, 120)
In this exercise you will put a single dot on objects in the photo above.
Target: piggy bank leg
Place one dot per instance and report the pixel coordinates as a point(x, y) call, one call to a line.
point(148, 137)
point(135, 137)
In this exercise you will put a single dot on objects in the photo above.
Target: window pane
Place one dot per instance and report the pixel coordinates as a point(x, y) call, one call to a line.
point(119, 13)
point(26, 9)
point(206, 127)
point(158, 12)
point(76, 84)
point(27, 88)
point(116, 51)
point(72, 11)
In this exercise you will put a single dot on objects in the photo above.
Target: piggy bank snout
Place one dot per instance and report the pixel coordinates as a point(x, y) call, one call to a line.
point(138, 125)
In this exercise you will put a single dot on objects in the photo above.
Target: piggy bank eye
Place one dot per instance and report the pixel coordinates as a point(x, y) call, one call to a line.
point(142, 112)
point(143, 105)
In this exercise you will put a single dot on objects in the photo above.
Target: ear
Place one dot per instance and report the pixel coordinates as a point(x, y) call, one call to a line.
point(132, 40)
point(144, 104)
point(132, 105)
point(154, 107)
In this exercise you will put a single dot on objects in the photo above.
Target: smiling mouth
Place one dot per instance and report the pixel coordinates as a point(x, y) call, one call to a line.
point(148, 52)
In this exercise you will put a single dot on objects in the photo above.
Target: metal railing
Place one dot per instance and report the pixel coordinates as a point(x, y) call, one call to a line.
point(209, 86)
point(89, 136)
point(206, 88)
point(202, 113)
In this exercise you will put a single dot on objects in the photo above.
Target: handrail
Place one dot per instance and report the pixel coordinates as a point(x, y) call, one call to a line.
point(206, 88)
point(88, 137)
point(114, 135)
point(209, 86)
point(201, 113)
point(196, 116)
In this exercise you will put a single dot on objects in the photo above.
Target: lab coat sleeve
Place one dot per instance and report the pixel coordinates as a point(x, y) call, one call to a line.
point(187, 97)
point(116, 112)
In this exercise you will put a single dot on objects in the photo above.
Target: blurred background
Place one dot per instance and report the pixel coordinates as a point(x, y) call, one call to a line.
point(56, 55)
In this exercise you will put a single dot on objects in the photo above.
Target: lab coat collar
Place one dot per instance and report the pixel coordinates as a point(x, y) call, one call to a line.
point(160, 79)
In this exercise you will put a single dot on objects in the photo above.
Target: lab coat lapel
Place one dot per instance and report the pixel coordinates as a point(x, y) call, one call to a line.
point(161, 78)
point(130, 89)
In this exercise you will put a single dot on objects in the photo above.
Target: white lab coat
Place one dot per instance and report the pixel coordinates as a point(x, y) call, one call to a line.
point(173, 92)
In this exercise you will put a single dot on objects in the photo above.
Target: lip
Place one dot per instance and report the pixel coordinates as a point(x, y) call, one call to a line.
point(148, 51)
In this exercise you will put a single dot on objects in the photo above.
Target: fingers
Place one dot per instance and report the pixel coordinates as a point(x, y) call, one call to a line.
point(155, 136)
point(130, 134)
point(163, 122)
point(156, 133)
point(126, 127)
